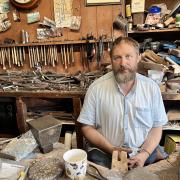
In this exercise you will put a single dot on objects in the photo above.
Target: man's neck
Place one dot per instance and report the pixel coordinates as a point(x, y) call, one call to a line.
point(126, 87)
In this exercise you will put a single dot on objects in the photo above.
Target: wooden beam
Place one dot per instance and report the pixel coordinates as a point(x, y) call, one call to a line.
point(21, 115)
point(77, 108)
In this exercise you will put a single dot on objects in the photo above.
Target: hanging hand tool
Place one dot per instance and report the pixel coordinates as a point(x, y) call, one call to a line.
point(45, 55)
point(41, 54)
point(65, 60)
point(20, 57)
point(53, 56)
point(37, 53)
point(90, 48)
point(5, 55)
point(15, 56)
point(9, 56)
point(72, 53)
point(29, 55)
point(67, 53)
point(48, 55)
point(56, 54)
point(82, 56)
point(24, 54)
point(86, 62)
point(12, 53)
point(61, 52)
point(3, 59)
point(100, 51)
point(109, 49)
point(33, 57)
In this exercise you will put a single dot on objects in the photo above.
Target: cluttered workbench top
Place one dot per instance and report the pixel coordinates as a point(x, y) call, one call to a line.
point(52, 163)
point(19, 83)
point(39, 84)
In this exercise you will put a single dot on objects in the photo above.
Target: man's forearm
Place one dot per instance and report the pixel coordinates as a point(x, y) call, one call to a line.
point(97, 139)
point(152, 140)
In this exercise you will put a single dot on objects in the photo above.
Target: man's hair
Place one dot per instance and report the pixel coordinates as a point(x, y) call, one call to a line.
point(125, 40)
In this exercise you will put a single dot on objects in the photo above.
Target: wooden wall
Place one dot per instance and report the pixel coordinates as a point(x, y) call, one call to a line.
point(95, 19)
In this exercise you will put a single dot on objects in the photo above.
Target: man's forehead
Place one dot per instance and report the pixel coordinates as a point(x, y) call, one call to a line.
point(128, 46)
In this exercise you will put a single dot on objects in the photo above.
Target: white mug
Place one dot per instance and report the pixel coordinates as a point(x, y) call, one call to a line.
point(75, 163)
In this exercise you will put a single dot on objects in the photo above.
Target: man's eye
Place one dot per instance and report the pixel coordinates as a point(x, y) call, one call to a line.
point(116, 58)
point(128, 56)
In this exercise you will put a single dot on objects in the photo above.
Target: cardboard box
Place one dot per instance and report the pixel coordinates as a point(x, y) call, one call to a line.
point(172, 143)
point(138, 18)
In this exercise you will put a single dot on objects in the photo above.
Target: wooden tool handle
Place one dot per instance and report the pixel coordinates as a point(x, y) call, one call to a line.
point(119, 161)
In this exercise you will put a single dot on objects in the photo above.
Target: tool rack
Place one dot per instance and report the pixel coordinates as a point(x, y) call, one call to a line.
point(45, 53)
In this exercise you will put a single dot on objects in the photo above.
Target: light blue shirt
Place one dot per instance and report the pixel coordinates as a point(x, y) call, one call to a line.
point(123, 120)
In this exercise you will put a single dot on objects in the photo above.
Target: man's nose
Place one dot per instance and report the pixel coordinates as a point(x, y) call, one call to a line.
point(123, 61)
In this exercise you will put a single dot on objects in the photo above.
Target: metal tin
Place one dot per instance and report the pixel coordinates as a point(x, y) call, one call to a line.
point(128, 10)
point(177, 20)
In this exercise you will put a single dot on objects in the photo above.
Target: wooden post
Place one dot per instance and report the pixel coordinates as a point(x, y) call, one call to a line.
point(77, 109)
point(21, 115)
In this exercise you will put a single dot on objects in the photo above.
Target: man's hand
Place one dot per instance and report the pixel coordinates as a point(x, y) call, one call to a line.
point(126, 149)
point(138, 160)
point(147, 148)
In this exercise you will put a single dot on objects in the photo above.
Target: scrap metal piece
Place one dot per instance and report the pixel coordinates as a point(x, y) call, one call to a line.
point(47, 168)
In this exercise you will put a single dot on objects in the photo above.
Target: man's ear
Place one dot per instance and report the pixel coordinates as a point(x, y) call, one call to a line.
point(139, 58)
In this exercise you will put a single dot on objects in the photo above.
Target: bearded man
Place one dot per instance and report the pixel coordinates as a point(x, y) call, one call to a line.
point(123, 110)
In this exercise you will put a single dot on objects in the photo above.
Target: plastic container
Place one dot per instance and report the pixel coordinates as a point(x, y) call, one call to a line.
point(153, 16)
point(154, 9)
point(155, 75)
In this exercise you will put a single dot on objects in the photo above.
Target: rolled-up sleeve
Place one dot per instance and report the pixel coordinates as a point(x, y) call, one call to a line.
point(87, 115)
point(159, 113)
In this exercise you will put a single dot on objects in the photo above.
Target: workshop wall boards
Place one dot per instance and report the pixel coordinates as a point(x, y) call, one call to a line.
point(95, 19)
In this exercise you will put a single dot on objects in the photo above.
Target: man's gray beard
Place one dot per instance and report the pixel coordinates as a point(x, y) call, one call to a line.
point(124, 78)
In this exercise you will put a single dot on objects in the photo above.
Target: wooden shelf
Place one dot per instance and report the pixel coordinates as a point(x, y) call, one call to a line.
point(43, 94)
point(171, 96)
point(155, 31)
point(46, 43)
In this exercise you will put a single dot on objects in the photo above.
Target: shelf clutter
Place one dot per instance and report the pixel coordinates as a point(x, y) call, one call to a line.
point(158, 18)
point(50, 56)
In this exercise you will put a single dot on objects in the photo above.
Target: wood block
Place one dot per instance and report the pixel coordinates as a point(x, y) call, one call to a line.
point(169, 21)
point(138, 18)
point(175, 52)
point(173, 114)
point(119, 161)
point(151, 65)
point(154, 57)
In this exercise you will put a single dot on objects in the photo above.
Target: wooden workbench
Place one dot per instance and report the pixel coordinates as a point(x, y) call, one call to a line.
point(76, 96)
point(21, 108)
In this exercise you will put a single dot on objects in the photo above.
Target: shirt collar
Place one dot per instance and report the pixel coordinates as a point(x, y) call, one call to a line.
point(132, 91)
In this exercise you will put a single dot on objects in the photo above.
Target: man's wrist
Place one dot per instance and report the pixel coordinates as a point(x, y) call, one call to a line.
point(145, 151)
